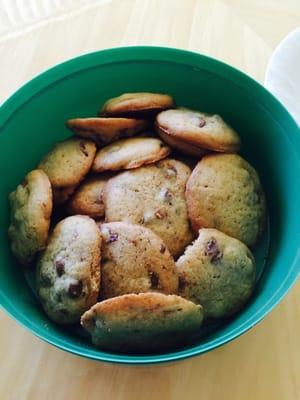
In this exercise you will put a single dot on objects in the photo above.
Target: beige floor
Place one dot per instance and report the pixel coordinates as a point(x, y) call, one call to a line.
point(263, 364)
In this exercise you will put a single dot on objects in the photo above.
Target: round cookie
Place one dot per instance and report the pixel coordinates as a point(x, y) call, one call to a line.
point(142, 322)
point(154, 197)
point(69, 161)
point(181, 145)
point(88, 198)
point(130, 153)
point(135, 260)
point(106, 130)
point(224, 192)
point(31, 208)
point(62, 194)
point(137, 105)
point(218, 272)
point(198, 129)
point(68, 272)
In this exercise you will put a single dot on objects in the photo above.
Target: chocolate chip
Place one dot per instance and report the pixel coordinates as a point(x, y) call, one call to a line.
point(212, 249)
point(181, 283)
point(60, 267)
point(154, 280)
point(171, 172)
point(162, 248)
point(216, 258)
point(202, 123)
point(83, 148)
point(75, 289)
point(161, 214)
point(113, 237)
point(45, 280)
point(166, 195)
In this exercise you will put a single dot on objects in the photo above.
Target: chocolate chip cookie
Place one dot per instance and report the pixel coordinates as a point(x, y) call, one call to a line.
point(224, 192)
point(181, 145)
point(142, 322)
point(139, 105)
point(106, 130)
point(130, 153)
point(218, 272)
point(68, 272)
point(135, 260)
point(154, 197)
point(69, 161)
point(204, 130)
point(88, 198)
point(31, 208)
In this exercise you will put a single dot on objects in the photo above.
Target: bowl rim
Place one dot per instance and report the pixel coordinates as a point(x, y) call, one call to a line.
point(173, 56)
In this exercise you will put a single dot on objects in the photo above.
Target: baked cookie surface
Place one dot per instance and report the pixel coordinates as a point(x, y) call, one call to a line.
point(106, 130)
point(154, 197)
point(198, 129)
point(224, 192)
point(68, 272)
point(141, 104)
point(142, 322)
point(135, 260)
point(31, 208)
point(218, 272)
point(88, 198)
point(130, 153)
point(69, 161)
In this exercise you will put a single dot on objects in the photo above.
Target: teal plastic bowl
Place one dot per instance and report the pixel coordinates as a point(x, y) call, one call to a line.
point(33, 119)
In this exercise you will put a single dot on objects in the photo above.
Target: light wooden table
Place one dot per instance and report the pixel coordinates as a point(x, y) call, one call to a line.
point(263, 364)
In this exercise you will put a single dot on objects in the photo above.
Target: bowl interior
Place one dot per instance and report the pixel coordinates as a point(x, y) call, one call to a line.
point(33, 119)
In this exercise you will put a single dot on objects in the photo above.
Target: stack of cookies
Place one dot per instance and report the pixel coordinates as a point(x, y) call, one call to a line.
point(139, 226)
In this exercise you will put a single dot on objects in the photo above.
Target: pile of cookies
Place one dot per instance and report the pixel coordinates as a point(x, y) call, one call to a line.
point(156, 213)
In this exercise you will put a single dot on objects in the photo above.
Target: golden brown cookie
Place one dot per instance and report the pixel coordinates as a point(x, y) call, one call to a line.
point(154, 197)
point(137, 105)
point(198, 129)
point(68, 273)
point(181, 145)
point(69, 161)
point(218, 272)
point(88, 198)
point(31, 208)
point(224, 192)
point(142, 322)
point(106, 130)
point(130, 153)
point(135, 260)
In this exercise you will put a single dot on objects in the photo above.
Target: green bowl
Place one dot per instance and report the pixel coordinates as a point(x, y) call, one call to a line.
point(33, 119)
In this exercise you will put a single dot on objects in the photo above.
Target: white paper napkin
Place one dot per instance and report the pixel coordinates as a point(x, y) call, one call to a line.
point(283, 73)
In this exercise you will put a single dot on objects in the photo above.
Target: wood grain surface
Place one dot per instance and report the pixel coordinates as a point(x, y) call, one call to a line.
point(263, 364)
